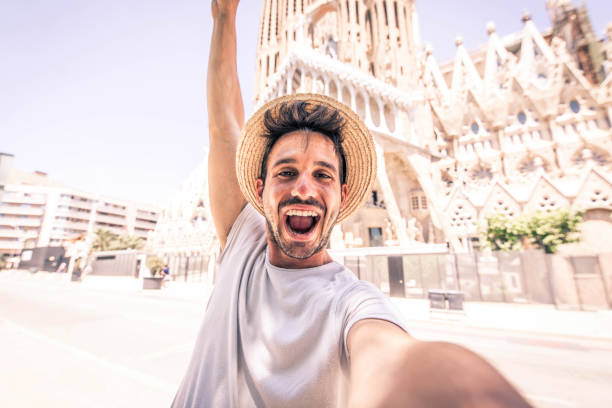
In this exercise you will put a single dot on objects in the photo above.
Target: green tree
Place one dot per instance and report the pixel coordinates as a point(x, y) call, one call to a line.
point(542, 230)
point(503, 233)
point(103, 240)
point(126, 241)
point(549, 230)
point(155, 264)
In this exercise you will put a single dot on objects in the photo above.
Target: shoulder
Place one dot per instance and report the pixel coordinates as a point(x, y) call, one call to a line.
point(248, 230)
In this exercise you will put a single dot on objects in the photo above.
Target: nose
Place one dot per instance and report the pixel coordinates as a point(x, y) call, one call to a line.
point(303, 187)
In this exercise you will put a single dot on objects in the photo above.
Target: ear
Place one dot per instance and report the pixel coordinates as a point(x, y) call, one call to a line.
point(343, 194)
point(259, 187)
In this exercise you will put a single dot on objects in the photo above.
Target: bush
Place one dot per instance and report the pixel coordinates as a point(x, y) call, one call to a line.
point(541, 230)
point(155, 264)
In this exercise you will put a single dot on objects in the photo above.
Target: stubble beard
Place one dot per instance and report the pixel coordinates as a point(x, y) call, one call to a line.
point(299, 250)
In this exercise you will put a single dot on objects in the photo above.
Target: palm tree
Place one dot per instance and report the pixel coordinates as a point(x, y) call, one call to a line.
point(103, 240)
point(126, 241)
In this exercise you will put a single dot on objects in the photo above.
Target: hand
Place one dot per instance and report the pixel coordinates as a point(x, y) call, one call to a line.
point(224, 7)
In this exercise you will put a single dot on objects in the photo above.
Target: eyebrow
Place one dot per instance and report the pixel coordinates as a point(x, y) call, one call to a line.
point(289, 160)
point(326, 164)
point(284, 161)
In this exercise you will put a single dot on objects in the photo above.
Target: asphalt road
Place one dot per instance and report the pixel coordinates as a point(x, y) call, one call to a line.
point(64, 344)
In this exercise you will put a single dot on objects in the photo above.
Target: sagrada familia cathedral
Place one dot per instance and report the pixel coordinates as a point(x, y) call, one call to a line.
point(518, 125)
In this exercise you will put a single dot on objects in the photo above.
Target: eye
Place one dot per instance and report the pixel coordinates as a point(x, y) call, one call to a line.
point(287, 173)
point(323, 176)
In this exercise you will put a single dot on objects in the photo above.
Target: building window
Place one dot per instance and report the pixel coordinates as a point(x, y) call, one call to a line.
point(575, 106)
point(475, 127)
point(375, 235)
point(423, 202)
point(415, 202)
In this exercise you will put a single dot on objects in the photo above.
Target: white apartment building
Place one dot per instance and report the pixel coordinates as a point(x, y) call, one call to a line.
point(37, 212)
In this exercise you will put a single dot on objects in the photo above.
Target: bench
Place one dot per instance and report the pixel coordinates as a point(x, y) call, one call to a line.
point(442, 299)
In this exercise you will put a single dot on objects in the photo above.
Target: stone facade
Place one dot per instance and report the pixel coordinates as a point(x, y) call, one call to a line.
point(184, 235)
point(521, 124)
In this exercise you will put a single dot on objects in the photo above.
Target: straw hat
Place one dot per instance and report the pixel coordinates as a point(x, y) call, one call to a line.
point(358, 146)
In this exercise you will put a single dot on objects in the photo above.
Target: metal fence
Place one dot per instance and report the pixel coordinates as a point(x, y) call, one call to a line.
point(188, 268)
point(573, 282)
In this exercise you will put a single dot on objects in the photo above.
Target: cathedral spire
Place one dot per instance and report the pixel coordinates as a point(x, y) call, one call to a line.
point(379, 37)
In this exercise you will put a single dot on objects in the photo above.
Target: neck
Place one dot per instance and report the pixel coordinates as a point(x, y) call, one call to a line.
point(280, 259)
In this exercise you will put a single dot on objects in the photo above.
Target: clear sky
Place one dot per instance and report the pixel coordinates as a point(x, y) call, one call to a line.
point(109, 96)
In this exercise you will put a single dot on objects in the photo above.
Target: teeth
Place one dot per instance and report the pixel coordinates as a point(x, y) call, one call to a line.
point(300, 213)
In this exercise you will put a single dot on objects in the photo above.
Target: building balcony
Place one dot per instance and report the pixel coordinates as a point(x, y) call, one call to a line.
point(114, 230)
point(10, 245)
point(109, 219)
point(66, 212)
point(20, 222)
point(16, 198)
point(81, 226)
point(19, 210)
point(109, 208)
point(146, 216)
point(144, 225)
point(18, 233)
point(141, 233)
point(75, 202)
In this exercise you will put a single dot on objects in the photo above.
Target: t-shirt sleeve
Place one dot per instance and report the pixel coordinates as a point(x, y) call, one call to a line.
point(364, 301)
point(248, 229)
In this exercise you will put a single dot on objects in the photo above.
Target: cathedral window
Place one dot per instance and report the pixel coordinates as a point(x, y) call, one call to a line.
point(475, 128)
point(348, 12)
point(385, 10)
point(369, 31)
point(542, 78)
point(575, 106)
point(396, 16)
point(276, 22)
point(522, 118)
point(481, 176)
point(269, 23)
point(357, 11)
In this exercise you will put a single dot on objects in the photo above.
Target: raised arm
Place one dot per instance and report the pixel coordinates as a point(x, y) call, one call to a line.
point(388, 368)
point(225, 118)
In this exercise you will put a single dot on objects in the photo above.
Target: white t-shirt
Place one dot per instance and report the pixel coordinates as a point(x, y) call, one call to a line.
point(275, 337)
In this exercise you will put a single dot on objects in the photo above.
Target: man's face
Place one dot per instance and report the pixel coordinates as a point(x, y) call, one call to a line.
point(302, 195)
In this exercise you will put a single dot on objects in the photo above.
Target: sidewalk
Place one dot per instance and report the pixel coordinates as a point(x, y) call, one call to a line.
point(527, 318)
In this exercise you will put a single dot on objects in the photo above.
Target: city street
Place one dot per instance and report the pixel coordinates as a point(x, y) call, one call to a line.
point(97, 344)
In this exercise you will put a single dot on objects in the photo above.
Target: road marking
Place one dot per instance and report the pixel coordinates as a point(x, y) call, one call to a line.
point(542, 398)
point(147, 379)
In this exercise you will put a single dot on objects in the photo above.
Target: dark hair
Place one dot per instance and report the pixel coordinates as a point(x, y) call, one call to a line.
point(303, 115)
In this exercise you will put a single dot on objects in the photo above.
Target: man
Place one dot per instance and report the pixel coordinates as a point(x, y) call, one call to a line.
point(286, 326)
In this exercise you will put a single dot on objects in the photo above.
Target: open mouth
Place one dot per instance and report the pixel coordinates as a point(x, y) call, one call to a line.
point(301, 222)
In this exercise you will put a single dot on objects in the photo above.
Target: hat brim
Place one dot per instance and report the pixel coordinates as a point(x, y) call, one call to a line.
point(358, 146)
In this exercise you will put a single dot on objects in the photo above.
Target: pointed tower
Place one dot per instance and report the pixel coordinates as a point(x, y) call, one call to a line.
point(378, 37)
